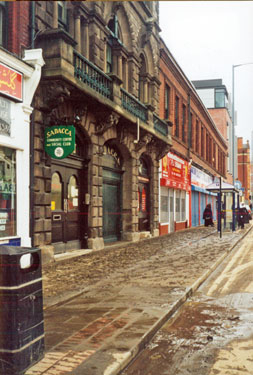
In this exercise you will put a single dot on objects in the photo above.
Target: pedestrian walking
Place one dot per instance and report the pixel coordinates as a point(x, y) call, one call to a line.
point(241, 216)
point(208, 215)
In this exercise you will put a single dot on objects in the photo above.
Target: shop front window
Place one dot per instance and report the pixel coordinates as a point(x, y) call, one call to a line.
point(7, 192)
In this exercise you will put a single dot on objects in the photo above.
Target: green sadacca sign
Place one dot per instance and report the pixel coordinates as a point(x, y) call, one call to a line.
point(59, 141)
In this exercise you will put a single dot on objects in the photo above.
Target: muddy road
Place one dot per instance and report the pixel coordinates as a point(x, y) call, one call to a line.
point(212, 334)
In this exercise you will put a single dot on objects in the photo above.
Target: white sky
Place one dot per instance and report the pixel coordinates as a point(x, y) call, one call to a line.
point(206, 38)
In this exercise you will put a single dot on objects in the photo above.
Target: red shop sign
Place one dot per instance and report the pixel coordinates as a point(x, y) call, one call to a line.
point(11, 83)
point(175, 172)
point(143, 201)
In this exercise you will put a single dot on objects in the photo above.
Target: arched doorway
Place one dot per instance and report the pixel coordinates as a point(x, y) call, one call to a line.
point(68, 210)
point(112, 207)
point(144, 195)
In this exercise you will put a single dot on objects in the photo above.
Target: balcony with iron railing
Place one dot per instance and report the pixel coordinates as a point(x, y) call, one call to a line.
point(160, 125)
point(95, 78)
point(133, 106)
point(62, 60)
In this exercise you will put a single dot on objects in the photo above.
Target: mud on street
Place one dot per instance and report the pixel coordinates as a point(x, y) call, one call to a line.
point(113, 301)
point(170, 254)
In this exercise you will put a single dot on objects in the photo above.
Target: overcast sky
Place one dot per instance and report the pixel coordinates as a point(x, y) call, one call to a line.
point(206, 38)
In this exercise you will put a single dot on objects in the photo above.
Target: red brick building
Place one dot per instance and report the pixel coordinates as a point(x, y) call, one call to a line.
point(196, 140)
point(244, 166)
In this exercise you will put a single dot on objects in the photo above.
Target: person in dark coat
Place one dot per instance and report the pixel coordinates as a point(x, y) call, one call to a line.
point(241, 216)
point(208, 215)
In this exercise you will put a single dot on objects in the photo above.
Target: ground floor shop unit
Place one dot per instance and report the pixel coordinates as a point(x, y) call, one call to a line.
point(174, 194)
point(199, 200)
point(19, 79)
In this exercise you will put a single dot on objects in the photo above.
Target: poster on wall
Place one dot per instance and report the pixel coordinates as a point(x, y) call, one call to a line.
point(175, 172)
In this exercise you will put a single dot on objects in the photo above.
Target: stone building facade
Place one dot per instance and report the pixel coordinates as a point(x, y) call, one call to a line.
point(101, 75)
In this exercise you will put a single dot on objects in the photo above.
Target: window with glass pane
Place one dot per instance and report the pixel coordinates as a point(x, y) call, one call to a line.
point(62, 15)
point(3, 32)
point(177, 117)
point(219, 98)
point(183, 123)
point(72, 194)
point(167, 102)
point(164, 205)
point(7, 192)
point(178, 205)
point(108, 59)
point(183, 214)
point(56, 192)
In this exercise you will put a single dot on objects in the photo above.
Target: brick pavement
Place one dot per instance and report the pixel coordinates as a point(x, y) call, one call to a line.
point(110, 320)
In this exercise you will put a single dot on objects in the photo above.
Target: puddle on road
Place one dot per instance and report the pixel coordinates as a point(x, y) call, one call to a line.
point(199, 339)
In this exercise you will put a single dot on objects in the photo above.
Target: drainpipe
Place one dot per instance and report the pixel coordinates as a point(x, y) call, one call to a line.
point(189, 125)
point(32, 138)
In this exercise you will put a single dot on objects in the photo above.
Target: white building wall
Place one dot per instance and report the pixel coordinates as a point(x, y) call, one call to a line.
point(19, 138)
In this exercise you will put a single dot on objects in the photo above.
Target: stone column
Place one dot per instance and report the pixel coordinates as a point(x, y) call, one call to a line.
point(120, 67)
point(85, 39)
point(78, 31)
point(96, 241)
point(134, 234)
point(55, 14)
point(145, 93)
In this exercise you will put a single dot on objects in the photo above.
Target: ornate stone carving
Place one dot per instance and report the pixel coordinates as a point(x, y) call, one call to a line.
point(106, 122)
point(148, 32)
point(146, 139)
point(123, 135)
point(61, 106)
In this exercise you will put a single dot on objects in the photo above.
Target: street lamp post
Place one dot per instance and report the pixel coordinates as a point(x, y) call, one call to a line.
point(233, 117)
point(233, 135)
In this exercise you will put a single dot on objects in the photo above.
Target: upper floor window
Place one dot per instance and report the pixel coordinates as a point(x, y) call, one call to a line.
point(191, 131)
point(143, 84)
point(108, 58)
point(177, 116)
point(3, 32)
point(113, 25)
point(167, 102)
point(62, 14)
point(197, 136)
point(202, 141)
point(183, 123)
point(220, 98)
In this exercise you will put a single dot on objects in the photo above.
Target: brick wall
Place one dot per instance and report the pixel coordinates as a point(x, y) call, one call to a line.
point(174, 78)
point(18, 26)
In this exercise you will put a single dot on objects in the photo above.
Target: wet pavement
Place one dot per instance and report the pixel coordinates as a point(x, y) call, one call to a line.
point(102, 308)
point(212, 333)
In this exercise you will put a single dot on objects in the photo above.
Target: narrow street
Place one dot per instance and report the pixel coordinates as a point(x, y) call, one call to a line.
point(212, 333)
point(102, 309)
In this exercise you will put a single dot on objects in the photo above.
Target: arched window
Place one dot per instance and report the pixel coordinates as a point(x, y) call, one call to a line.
point(143, 84)
point(114, 40)
point(56, 192)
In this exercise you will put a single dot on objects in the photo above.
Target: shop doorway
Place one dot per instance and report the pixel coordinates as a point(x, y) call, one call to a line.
point(144, 194)
point(112, 190)
point(69, 221)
